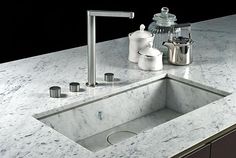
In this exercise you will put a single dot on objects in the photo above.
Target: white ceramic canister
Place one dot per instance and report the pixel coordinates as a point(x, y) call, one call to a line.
point(150, 59)
point(138, 40)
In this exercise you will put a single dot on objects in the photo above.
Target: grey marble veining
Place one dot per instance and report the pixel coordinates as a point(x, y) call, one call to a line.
point(24, 92)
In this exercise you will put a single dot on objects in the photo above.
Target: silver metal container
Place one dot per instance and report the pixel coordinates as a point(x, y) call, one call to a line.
point(180, 50)
point(179, 47)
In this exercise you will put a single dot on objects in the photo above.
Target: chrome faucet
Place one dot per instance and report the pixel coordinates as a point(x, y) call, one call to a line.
point(91, 39)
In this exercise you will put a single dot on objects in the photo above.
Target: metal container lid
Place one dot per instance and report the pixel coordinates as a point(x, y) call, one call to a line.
point(164, 18)
point(141, 33)
point(150, 51)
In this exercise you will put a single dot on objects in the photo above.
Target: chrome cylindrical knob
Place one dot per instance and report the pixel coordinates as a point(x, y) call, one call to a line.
point(55, 92)
point(109, 77)
point(74, 87)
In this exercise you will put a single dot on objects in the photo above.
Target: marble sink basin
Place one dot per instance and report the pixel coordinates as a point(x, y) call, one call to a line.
point(118, 116)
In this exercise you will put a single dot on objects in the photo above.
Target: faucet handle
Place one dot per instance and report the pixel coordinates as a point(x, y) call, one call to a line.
point(55, 92)
point(109, 77)
point(74, 86)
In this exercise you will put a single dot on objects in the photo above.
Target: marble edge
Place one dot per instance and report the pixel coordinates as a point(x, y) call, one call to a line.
point(199, 85)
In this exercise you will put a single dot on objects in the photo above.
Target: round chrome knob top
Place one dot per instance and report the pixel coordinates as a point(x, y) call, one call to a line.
point(55, 92)
point(74, 87)
point(109, 77)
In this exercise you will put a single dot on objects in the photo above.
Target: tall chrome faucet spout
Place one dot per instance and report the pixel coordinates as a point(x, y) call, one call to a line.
point(91, 39)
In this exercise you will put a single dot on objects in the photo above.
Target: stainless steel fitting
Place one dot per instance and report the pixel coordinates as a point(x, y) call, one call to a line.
point(91, 39)
point(109, 77)
point(55, 92)
point(74, 86)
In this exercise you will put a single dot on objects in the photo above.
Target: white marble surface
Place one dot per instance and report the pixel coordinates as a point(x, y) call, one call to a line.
point(24, 92)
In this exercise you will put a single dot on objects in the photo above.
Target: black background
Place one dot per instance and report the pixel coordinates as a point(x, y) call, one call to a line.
point(34, 27)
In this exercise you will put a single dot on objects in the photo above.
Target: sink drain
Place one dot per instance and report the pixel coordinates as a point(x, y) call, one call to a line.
point(118, 136)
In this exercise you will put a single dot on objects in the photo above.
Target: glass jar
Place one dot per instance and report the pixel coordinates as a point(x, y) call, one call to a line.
point(161, 27)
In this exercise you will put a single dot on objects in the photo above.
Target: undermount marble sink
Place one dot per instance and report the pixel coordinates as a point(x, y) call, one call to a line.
point(115, 117)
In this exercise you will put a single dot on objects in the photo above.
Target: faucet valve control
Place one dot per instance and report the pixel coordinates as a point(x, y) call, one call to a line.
point(55, 92)
point(109, 77)
point(74, 87)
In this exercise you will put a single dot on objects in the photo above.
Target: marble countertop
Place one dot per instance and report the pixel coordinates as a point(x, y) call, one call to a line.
point(24, 88)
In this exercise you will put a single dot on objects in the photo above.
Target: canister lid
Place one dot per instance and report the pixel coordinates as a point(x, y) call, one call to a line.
point(164, 18)
point(150, 51)
point(141, 33)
